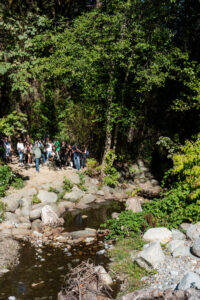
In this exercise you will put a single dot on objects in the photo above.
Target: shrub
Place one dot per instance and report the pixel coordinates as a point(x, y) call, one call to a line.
point(81, 184)
point(35, 199)
point(18, 183)
point(111, 178)
point(92, 167)
point(67, 185)
point(6, 177)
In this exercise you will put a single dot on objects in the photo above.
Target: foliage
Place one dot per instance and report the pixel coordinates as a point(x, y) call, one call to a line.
point(13, 124)
point(111, 178)
point(123, 266)
point(54, 190)
point(126, 224)
point(6, 177)
point(18, 183)
point(167, 143)
point(92, 166)
point(2, 211)
point(67, 185)
point(35, 199)
point(81, 184)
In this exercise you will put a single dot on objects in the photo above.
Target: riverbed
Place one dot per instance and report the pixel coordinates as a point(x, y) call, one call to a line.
point(40, 272)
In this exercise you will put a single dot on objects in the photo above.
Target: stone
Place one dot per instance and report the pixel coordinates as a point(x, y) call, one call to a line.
point(66, 205)
point(103, 275)
point(20, 232)
point(83, 233)
point(181, 251)
point(92, 188)
point(6, 233)
point(12, 202)
point(24, 226)
point(133, 204)
point(26, 207)
point(115, 215)
point(100, 193)
point(18, 212)
point(31, 192)
point(185, 226)
point(177, 235)
point(74, 178)
point(175, 244)
point(11, 217)
point(35, 214)
point(147, 190)
point(74, 196)
point(88, 199)
point(90, 240)
point(161, 234)
point(36, 225)
point(150, 256)
point(49, 217)
point(196, 247)
point(189, 280)
point(47, 197)
point(193, 231)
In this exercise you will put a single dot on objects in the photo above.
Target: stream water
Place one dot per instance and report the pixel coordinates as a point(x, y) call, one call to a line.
point(40, 273)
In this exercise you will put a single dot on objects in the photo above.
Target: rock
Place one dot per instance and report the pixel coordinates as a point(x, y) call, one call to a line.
point(189, 280)
point(193, 231)
point(12, 202)
point(18, 212)
point(185, 226)
point(92, 188)
point(181, 251)
point(90, 240)
point(178, 235)
point(49, 217)
point(148, 190)
point(47, 197)
point(106, 189)
point(83, 233)
point(133, 204)
point(196, 247)
point(20, 233)
point(103, 275)
point(35, 214)
point(120, 195)
point(8, 253)
point(100, 193)
point(161, 234)
point(175, 244)
point(66, 205)
point(31, 192)
point(150, 256)
point(74, 178)
point(24, 226)
point(11, 217)
point(74, 196)
point(26, 207)
point(88, 199)
point(5, 233)
point(24, 220)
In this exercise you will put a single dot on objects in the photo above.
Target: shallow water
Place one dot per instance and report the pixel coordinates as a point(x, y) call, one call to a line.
point(40, 275)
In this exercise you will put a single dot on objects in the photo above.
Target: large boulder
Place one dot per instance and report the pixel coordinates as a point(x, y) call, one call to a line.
point(149, 190)
point(35, 213)
point(88, 199)
point(177, 235)
point(12, 202)
point(189, 280)
point(161, 234)
point(66, 205)
point(134, 204)
point(196, 247)
point(74, 195)
point(181, 251)
point(175, 244)
point(47, 197)
point(73, 177)
point(150, 256)
point(26, 207)
point(193, 231)
point(49, 217)
point(83, 233)
point(11, 217)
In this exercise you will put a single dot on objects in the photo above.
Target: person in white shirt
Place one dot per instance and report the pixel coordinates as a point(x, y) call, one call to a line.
point(20, 149)
point(48, 148)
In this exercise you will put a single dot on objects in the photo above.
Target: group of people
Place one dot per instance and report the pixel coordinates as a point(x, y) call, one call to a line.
point(42, 151)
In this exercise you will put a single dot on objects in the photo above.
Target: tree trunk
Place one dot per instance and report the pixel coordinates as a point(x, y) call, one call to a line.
point(115, 137)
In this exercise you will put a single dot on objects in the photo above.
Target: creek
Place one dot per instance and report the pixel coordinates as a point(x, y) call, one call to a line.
point(40, 272)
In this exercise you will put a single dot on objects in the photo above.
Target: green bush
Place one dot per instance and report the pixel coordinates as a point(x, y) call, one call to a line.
point(35, 199)
point(111, 178)
point(92, 167)
point(128, 224)
point(67, 185)
point(2, 211)
point(6, 177)
point(81, 184)
point(18, 183)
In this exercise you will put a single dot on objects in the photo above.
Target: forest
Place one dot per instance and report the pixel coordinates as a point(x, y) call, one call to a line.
point(119, 76)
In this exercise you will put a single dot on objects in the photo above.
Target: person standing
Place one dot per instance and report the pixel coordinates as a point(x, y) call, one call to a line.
point(85, 153)
point(20, 149)
point(37, 154)
point(48, 147)
point(57, 144)
point(7, 149)
point(76, 156)
point(63, 154)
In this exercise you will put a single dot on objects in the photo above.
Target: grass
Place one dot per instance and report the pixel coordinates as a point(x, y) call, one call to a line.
point(35, 199)
point(124, 268)
point(18, 183)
